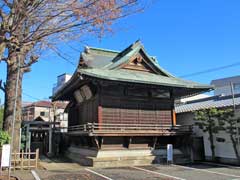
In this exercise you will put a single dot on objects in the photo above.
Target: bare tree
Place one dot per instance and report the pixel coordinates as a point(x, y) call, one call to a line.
point(29, 26)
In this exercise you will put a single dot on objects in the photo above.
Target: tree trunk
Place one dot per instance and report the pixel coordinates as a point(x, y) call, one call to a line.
point(235, 148)
point(212, 144)
point(12, 73)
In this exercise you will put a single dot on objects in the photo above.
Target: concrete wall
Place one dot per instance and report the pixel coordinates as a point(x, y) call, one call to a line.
point(222, 86)
point(224, 150)
point(225, 90)
point(62, 118)
point(48, 111)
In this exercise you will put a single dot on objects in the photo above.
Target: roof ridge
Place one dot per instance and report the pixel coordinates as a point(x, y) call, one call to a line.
point(126, 50)
point(103, 49)
point(215, 98)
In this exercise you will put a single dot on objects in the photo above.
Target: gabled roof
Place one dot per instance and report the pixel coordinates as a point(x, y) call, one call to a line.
point(96, 57)
point(207, 103)
point(47, 104)
point(112, 60)
point(125, 56)
point(109, 65)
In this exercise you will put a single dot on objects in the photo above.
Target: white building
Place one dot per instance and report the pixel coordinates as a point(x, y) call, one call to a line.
point(225, 86)
point(45, 109)
point(192, 98)
point(61, 80)
point(223, 145)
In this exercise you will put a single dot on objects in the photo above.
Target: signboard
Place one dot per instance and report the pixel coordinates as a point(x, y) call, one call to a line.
point(5, 159)
point(169, 152)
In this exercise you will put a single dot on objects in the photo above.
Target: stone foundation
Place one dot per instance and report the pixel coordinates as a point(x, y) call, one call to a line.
point(224, 160)
point(122, 157)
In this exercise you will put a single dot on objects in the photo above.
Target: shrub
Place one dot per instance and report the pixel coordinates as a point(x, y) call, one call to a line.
point(4, 138)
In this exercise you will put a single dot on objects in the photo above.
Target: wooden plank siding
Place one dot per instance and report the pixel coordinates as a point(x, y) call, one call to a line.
point(133, 111)
point(136, 116)
point(83, 113)
point(112, 104)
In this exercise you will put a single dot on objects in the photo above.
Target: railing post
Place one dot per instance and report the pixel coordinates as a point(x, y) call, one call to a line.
point(92, 127)
point(29, 158)
point(14, 160)
point(22, 154)
point(36, 160)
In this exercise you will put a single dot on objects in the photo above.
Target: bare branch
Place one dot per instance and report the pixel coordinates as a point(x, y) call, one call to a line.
point(2, 86)
point(47, 22)
point(8, 3)
point(33, 59)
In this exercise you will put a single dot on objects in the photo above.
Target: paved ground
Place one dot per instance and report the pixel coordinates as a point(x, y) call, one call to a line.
point(59, 164)
point(200, 171)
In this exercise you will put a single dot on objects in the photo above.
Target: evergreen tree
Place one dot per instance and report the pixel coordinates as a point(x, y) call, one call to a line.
point(207, 120)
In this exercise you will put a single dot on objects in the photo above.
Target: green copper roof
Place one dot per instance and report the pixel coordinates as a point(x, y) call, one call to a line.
point(140, 77)
point(131, 51)
point(107, 64)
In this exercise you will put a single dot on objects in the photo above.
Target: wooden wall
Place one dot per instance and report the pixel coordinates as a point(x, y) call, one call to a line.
point(118, 104)
point(138, 106)
point(135, 111)
point(84, 112)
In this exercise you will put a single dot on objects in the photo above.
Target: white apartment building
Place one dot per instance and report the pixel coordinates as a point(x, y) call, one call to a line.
point(226, 86)
point(61, 80)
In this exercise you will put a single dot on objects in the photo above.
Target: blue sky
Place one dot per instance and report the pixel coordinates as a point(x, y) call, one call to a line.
point(186, 36)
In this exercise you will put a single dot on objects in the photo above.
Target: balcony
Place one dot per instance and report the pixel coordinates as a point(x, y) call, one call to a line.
point(104, 129)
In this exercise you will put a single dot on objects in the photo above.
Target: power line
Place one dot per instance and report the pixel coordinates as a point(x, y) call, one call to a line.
point(30, 96)
point(63, 57)
point(183, 76)
point(211, 70)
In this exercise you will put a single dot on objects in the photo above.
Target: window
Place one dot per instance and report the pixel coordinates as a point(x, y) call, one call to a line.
point(45, 114)
point(160, 93)
point(139, 92)
point(236, 87)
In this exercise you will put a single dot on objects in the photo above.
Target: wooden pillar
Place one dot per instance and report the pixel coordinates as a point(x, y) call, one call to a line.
point(174, 118)
point(129, 142)
point(50, 141)
point(29, 140)
point(99, 116)
point(154, 142)
point(97, 142)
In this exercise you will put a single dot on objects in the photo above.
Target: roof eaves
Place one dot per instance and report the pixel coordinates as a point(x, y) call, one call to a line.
point(196, 85)
point(207, 104)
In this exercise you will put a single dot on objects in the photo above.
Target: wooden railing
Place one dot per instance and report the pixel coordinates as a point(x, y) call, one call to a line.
point(124, 128)
point(25, 160)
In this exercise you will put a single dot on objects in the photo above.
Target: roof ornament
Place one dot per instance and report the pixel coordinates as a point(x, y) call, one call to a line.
point(87, 49)
point(82, 63)
point(138, 42)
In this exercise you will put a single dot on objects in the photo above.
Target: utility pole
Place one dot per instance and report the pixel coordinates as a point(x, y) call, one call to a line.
point(233, 97)
point(234, 112)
